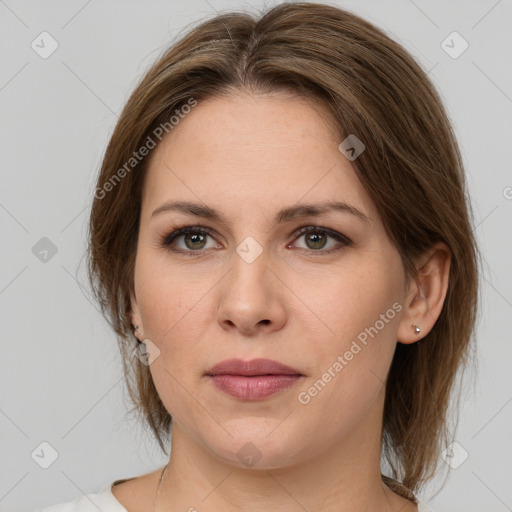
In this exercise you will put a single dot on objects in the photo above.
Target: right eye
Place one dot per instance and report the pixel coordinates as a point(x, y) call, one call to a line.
point(193, 240)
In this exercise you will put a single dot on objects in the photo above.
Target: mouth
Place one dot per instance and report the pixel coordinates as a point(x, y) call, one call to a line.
point(252, 380)
point(253, 367)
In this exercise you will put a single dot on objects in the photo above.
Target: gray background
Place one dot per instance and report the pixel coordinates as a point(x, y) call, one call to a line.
point(60, 370)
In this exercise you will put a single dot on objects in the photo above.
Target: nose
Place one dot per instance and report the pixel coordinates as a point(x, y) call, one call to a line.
point(251, 298)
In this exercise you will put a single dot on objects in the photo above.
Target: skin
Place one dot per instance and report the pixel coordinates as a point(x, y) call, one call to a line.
point(248, 156)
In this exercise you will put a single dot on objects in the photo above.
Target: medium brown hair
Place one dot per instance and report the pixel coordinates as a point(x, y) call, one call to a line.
point(411, 167)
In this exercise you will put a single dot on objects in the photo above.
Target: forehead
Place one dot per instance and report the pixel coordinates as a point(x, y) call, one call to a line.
point(246, 148)
point(248, 122)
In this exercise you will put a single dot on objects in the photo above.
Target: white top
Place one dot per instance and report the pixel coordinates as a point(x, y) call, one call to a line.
point(105, 501)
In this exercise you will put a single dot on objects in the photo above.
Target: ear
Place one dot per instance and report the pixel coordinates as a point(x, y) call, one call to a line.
point(135, 316)
point(425, 294)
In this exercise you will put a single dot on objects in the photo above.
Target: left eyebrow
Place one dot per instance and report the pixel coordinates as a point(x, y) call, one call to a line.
point(315, 210)
point(284, 215)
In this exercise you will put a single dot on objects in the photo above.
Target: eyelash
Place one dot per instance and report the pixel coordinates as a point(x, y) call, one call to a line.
point(184, 230)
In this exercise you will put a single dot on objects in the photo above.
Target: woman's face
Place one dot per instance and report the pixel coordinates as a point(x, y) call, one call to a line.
point(327, 302)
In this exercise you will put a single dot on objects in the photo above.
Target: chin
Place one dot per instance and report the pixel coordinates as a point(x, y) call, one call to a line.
point(261, 448)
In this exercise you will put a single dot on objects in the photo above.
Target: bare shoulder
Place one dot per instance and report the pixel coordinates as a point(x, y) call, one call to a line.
point(137, 494)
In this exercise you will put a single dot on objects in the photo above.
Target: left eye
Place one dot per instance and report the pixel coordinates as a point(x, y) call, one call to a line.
point(194, 240)
point(316, 239)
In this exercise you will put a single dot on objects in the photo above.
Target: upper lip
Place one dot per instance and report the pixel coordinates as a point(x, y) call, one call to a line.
point(251, 367)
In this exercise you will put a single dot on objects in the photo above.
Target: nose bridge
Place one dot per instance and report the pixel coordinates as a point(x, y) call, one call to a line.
point(249, 270)
point(250, 298)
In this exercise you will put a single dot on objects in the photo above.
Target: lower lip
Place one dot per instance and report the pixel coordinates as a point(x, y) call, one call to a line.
point(254, 387)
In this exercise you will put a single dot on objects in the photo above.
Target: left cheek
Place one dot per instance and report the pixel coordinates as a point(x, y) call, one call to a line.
point(364, 322)
point(359, 370)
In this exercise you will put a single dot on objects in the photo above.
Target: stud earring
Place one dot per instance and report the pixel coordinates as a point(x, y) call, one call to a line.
point(417, 328)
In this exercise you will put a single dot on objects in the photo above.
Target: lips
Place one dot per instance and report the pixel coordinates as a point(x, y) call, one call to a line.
point(251, 368)
point(252, 380)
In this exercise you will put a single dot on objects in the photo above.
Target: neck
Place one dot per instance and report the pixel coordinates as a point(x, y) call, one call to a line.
point(345, 478)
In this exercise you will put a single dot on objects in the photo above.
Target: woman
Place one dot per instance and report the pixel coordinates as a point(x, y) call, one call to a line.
point(281, 236)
